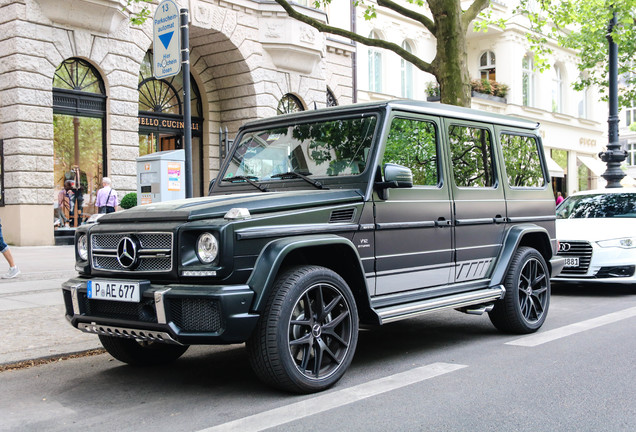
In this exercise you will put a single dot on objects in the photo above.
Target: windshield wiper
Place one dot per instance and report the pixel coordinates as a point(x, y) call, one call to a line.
point(294, 174)
point(247, 179)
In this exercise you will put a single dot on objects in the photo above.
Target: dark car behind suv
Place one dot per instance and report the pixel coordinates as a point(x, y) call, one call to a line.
point(320, 222)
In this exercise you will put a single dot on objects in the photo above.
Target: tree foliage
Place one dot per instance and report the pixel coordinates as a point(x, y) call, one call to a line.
point(583, 26)
point(471, 156)
point(446, 20)
point(412, 143)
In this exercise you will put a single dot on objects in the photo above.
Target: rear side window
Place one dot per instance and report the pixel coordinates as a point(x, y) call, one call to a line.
point(413, 144)
point(471, 154)
point(523, 164)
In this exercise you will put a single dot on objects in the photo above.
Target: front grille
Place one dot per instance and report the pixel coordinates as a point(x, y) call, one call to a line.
point(147, 240)
point(580, 249)
point(154, 252)
point(196, 315)
point(143, 311)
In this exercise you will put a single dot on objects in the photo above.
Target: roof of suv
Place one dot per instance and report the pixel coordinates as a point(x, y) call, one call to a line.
point(419, 107)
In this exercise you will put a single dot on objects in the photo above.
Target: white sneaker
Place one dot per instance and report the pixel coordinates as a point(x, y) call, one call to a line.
point(13, 272)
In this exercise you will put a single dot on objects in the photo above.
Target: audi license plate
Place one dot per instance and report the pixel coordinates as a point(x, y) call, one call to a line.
point(124, 291)
point(572, 262)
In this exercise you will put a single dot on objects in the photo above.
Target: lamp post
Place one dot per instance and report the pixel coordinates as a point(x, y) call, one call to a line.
point(614, 155)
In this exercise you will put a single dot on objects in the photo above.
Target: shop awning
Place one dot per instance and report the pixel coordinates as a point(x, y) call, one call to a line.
point(599, 167)
point(554, 168)
point(596, 166)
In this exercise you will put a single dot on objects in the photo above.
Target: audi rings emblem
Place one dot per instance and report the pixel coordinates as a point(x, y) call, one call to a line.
point(127, 252)
point(564, 247)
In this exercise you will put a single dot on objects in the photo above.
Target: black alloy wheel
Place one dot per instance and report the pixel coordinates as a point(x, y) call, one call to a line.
point(319, 331)
point(525, 305)
point(307, 336)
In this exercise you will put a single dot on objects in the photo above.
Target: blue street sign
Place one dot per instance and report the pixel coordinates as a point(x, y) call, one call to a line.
point(166, 40)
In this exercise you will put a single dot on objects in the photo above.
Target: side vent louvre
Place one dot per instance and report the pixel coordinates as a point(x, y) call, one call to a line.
point(345, 215)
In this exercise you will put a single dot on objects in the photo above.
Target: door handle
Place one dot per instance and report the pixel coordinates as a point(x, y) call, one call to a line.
point(442, 222)
point(498, 219)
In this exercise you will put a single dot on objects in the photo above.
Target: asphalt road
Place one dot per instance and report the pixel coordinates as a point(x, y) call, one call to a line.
point(440, 372)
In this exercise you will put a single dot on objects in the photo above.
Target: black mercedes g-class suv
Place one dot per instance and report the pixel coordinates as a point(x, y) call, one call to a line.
point(322, 221)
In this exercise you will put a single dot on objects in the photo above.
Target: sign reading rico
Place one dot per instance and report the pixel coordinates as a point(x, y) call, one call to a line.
point(166, 40)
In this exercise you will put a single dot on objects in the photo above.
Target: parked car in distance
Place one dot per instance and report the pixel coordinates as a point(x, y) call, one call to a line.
point(596, 230)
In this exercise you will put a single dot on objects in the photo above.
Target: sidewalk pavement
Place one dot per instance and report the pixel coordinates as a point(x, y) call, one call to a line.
point(32, 323)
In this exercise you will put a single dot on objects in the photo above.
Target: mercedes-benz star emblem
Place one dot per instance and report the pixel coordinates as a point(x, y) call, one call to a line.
point(564, 247)
point(127, 252)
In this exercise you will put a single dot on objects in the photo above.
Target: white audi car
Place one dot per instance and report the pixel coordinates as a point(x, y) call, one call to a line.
point(597, 237)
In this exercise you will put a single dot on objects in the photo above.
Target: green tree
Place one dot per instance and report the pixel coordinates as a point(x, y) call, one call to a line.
point(583, 27)
point(446, 20)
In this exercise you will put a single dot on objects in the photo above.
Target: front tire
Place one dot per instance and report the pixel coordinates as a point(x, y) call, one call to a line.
point(525, 305)
point(305, 339)
point(138, 353)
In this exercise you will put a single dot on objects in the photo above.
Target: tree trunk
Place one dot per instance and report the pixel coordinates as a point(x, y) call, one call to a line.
point(451, 61)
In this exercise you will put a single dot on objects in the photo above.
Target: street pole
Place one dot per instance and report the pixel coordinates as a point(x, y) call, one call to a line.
point(614, 155)
point(187, 118)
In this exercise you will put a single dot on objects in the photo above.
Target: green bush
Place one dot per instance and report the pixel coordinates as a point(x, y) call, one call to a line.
point(129, 200)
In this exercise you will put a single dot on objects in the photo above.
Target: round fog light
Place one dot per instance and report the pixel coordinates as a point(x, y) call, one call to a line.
point(207, 248)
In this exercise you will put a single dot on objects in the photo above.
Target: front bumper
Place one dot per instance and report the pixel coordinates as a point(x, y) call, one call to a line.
point(173, 313)
point(610, 265)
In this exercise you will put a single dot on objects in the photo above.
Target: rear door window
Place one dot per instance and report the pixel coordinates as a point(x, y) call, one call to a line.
point(471, 156)
point(522, 161)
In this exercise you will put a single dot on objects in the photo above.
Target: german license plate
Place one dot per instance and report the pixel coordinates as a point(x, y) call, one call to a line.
point(124, 291)
point(572, 262)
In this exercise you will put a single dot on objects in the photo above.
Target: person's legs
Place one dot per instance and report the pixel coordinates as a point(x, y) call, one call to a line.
point(6, 252)
point(7, 255)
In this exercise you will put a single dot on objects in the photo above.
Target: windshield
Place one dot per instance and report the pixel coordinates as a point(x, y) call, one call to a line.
point(618, 205)
point(325, 148)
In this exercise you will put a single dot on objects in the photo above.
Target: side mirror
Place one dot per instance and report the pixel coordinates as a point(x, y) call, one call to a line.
point(399, 174)
point(395, 176)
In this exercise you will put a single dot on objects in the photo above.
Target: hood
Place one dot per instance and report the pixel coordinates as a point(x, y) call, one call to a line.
point(595, 229)
point(216, 206)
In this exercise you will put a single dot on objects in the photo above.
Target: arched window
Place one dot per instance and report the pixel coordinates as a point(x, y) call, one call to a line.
point(487, 66)
point(164, 95)
point(406, 69)
point(557, 90)
point(375, 67)
point(79, 114)
point(289, 104)
point(331, 98)
point(161, 118)
point(527, 67)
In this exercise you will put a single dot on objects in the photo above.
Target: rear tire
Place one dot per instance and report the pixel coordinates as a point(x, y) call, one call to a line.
point(307, 335)
point(525, 305)
point(138, 353)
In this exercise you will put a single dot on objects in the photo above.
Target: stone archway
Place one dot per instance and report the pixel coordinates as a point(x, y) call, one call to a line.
point(227, 88)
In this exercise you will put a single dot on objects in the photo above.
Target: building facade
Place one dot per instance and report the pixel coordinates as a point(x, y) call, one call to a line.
point(573, 123)
point(78, 100)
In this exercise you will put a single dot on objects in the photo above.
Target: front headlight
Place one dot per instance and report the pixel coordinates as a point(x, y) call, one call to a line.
point(82, 247)
point(625, 243)
point(207, 248)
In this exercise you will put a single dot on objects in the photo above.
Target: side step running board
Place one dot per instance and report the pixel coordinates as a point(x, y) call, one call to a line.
point(392, 313)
